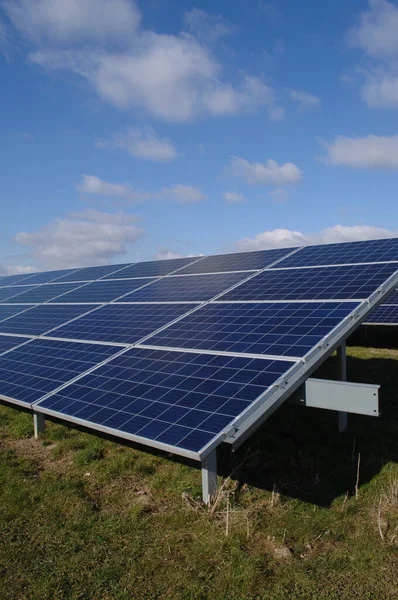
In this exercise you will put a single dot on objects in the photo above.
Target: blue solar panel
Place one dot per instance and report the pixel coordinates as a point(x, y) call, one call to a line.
point(14, 279)
point(392, 299)
point(91, 273)
point(346, 253)
point(386, 314)
point(42, 293)
point(324, 283)
point(42, 318)
point(7, 311)
point(191, 288)
point(279, 329)
point(48, 276)
point(29, 372)
point(7, 342)
point(154, 268)
point(180, 399)
point(122, 323)
point(7, 293)
point(242, 261)
point(103, 291)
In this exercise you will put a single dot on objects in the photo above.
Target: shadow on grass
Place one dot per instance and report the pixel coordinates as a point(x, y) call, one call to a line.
point(300, 453)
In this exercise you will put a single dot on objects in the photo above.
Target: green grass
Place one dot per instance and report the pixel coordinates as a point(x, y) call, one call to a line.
point(87, 519)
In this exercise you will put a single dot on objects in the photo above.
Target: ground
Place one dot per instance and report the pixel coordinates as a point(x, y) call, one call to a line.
point(305, 514)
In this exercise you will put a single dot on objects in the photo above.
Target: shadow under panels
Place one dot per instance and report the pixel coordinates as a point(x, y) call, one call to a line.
point(32, 370)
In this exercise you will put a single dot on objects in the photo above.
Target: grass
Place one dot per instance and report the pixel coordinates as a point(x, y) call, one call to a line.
point(87, 519)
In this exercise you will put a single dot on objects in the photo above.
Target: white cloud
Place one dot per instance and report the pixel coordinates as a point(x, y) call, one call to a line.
point(376, 35)
point(16, 269)
point(268, 173)
point(183, 194)
point(206, 27)
point(281, 238)
point(233, 197)
point(305, 99)
point(376, 32)
point(369, 152)
point(171, 77)
point(82, 238)
point(143, 144)
point(73, 21)
point(165, 253)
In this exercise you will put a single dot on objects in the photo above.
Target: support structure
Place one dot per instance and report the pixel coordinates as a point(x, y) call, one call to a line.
point(342, 358)
point(39, 424)
point(209, 476)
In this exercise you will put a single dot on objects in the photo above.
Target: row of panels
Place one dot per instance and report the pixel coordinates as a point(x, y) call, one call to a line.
point(178, 399)
point(387, 313)
point(285, 329)
point(352, 282)
point(375, 251)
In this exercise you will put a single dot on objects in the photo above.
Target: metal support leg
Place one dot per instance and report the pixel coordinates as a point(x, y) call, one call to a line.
point(39, 424)
point(209, 476)
point(342, 357)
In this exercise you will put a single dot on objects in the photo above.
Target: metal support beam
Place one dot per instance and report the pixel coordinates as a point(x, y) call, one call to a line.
point(209, 476)
point(342, 358)
point(39, 424)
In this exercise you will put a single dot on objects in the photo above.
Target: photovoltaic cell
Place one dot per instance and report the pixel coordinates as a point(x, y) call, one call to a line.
point(43, 293)
point(49, 276)
point(386, 314)
point(7, 342)
point(15, 279)
point(324, 283)
point(29, 372)
point(103, 291)
point(345, 253)
point(41, 319)
point(191, 288)
point(122, 323)
point(180, 399)
point(10, 292)
point(91, 273)
point(242, 261)
point(393, 298)
point(7, 311)
point(154, 268)
point(280, 329)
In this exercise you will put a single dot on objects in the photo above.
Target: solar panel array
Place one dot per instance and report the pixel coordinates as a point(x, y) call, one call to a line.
point(387, 313)
point(174, 353)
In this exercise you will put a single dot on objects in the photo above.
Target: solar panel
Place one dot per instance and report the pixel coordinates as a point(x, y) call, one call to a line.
point(243, 261)
point(91, 273)
point(352, 282)
point(7, 342)
point(41, 319)
point(42, 293)
point(14, 279)
point(386, 314)
point(154, 268)
point(103, 291)
point(348, 252)
point(176, 399)
point(7, 311)
point(30, 371)
point(10, 292)
point(190, 288)
point(122, 323)
point(280, 329)
point(49, 276)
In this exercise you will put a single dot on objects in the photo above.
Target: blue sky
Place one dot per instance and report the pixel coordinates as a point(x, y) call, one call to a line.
point(135, 130)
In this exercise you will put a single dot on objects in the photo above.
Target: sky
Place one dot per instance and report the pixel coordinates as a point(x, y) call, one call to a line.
point(138, 130)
